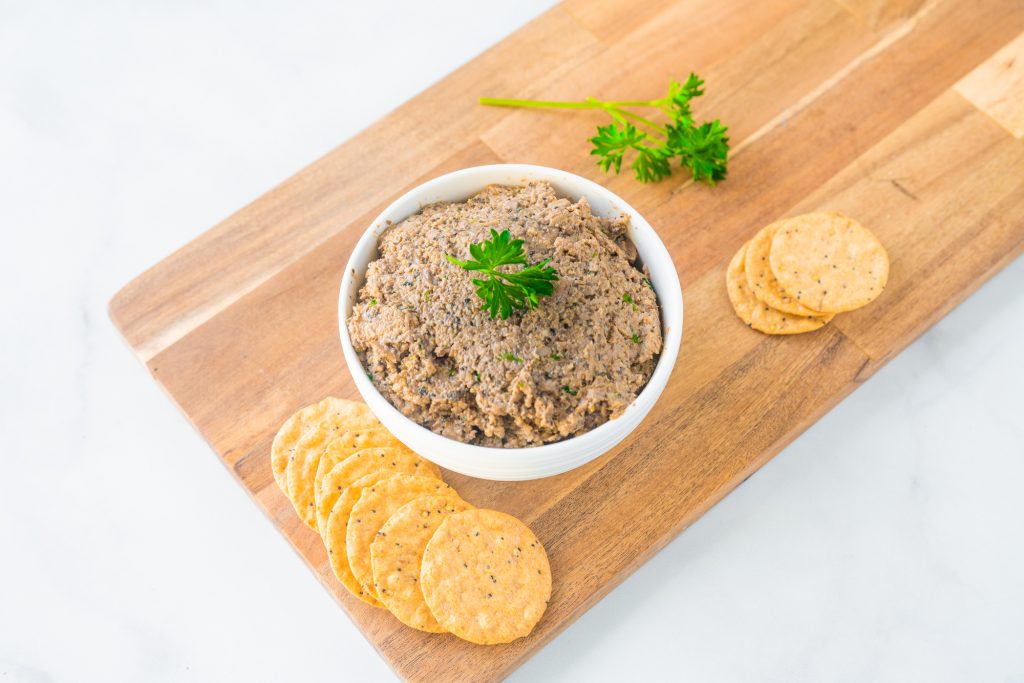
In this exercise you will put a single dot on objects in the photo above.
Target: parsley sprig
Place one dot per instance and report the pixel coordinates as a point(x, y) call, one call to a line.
point(503, 290)
point(703, 148)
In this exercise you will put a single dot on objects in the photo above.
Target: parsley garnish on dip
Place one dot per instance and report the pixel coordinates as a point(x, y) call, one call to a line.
point(542, 308)
point(506, 290)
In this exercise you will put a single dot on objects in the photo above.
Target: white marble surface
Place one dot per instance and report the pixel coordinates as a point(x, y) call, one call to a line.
point(884, 544)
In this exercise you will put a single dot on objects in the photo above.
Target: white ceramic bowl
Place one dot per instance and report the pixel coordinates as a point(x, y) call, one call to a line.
point(511, 464)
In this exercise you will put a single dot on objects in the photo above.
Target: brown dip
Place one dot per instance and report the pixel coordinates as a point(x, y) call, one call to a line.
point(540, 376)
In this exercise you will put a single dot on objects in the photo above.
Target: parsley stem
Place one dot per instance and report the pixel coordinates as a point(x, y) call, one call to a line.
point(655, 128)
point(500, 102)
point(637, 103)
point(613, 108)
point(589, 103)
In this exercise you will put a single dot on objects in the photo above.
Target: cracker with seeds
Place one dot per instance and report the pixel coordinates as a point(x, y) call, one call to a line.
point(323, 417)
point(485, 577)
point(762, 281)
point(335, 536)
point(757, 314)
point(390, 459)
point(375, 506)
point(300, 472)
point(832, 262)
point(396, 554)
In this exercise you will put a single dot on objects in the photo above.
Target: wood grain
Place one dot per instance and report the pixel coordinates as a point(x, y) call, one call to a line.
point(901, 113)
point(997, 87)
point(883, 15)
point(944, 188)
point(827, 134)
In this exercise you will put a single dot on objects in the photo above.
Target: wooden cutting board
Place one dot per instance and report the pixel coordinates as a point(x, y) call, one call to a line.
point(906, 114)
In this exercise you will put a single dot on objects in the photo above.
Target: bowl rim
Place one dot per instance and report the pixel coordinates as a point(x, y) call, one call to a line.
point(467, 458)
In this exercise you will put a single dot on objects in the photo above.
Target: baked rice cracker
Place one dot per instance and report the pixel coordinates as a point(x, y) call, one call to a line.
point(332, 410)
point(485, 577)
point(757, 314)
point(335, 534)
point(762, 281)
point(829, 261)
point(396, 554)
point(375, 506)
point(330, 484)
point(300, 472)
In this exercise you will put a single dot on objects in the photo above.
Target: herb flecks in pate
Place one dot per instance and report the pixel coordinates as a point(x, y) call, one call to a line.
point(573, 363)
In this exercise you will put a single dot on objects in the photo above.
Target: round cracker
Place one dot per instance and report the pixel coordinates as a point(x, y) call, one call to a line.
point(485, 577)
point(396, 554)
point(757, 314)
point(300, 474)
point(374, 507)
point(331, 410)
point(762, 281)
point(335, 535)
point(396, 460)
point(829, 261)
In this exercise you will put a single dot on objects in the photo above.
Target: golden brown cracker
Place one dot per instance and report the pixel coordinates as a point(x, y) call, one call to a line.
point(757, 314)
point(829, 261)
point(396, 554)
point(330, 484)
point(335, 535)
point(485, 577)
point(762, 281)
point(332, 410)
point(300, 473)
point(375, 506)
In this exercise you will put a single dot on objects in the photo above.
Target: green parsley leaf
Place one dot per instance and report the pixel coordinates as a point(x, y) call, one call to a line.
point(504, 291)
point(613, 141)
point(702, 149)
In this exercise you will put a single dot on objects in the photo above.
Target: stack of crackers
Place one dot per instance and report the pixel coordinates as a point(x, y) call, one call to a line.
point(797, 273)
point(398, 537)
